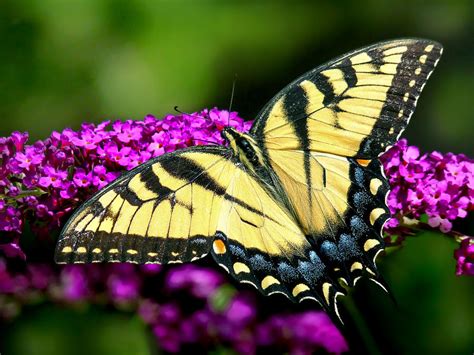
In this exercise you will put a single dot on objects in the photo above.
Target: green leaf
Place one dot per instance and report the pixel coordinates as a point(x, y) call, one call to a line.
point(221, 298)
point(424, 218)
point(51, 330)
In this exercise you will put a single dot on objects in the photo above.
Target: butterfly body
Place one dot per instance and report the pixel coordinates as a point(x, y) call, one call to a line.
point(296, 206)
point(244, 148)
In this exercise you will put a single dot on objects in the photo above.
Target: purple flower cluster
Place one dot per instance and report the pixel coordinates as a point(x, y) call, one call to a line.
point(73, 283)
point(465, 257)
point(308, 330)
point(187, 305)
point(45, 181)
point(440, 186)
point(237, 324)
point(178, 304)
point(41, 184)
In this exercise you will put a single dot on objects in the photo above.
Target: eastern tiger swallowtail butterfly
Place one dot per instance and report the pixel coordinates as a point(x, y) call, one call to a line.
point(294, 207)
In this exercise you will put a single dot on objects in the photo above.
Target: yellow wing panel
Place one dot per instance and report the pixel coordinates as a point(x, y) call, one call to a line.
point(311, 186)
point(262, 223)
point(355, 106)
point(166, 210)
point(261, 244)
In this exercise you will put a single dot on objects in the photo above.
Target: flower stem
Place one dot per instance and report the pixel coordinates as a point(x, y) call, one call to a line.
point(24, 193)
point(358, 334)
point(415, 225)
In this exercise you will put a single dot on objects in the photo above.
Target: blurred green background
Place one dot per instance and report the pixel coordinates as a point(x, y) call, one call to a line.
point(66, 62)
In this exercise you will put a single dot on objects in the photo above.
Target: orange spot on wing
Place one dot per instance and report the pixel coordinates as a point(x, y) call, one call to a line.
point(219, 247)
point(363, 162)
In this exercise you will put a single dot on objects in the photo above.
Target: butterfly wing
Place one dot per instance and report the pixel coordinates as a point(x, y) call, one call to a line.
point(261, 244)
point(322, 135)
point(163, 211)
point(180, 206)
point(356, 105)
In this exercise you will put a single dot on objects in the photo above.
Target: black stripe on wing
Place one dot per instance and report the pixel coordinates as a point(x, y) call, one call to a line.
point(293, 102)
point(97, 247)
point(416, 66)
point(86, 239)
point(356, 105)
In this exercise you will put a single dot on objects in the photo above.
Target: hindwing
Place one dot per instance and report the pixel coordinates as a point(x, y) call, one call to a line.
point(267, 248)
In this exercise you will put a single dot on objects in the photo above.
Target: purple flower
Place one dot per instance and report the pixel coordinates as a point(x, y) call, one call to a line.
point(169, 339)
point(10, 218)
point(151, 269)
point(74, 283)
point(11, 282)
point(42, 210)
point(241, 310)
point(302, 333)
point(159, 141)
point(40, 276)
point(167, 327)
point(53, 177)
point(465, 257)
point(440, 186)
point(29, 158)
point(87, 139)
point(239, 317)
point(129, 133)
point(200, 326)
point(68, 191)
point(200, 282)
point(101, 177)
point(82, 178)
point(12, 249)
point(443, 223)
point(123, 282)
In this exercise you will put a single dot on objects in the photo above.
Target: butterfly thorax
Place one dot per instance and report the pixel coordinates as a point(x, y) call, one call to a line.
point(248, 153)
point(245, 149)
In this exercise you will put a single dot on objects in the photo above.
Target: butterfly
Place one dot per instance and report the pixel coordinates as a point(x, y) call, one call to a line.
point(296, 206)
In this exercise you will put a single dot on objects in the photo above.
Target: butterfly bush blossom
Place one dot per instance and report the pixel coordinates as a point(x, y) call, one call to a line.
point(42, 183)
point(437, 186)
point(185, 306)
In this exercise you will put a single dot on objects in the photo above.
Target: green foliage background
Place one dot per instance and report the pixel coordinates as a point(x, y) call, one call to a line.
point(65, 62)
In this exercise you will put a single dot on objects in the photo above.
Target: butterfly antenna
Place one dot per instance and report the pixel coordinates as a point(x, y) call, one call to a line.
point(231, 98)
point(206, 141)
point(176, 108)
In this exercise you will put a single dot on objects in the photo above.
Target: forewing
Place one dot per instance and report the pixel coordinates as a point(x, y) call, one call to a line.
point(355, 106)
point(164, 211)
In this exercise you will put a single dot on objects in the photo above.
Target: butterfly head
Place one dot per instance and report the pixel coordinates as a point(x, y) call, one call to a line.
point(244, 148)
